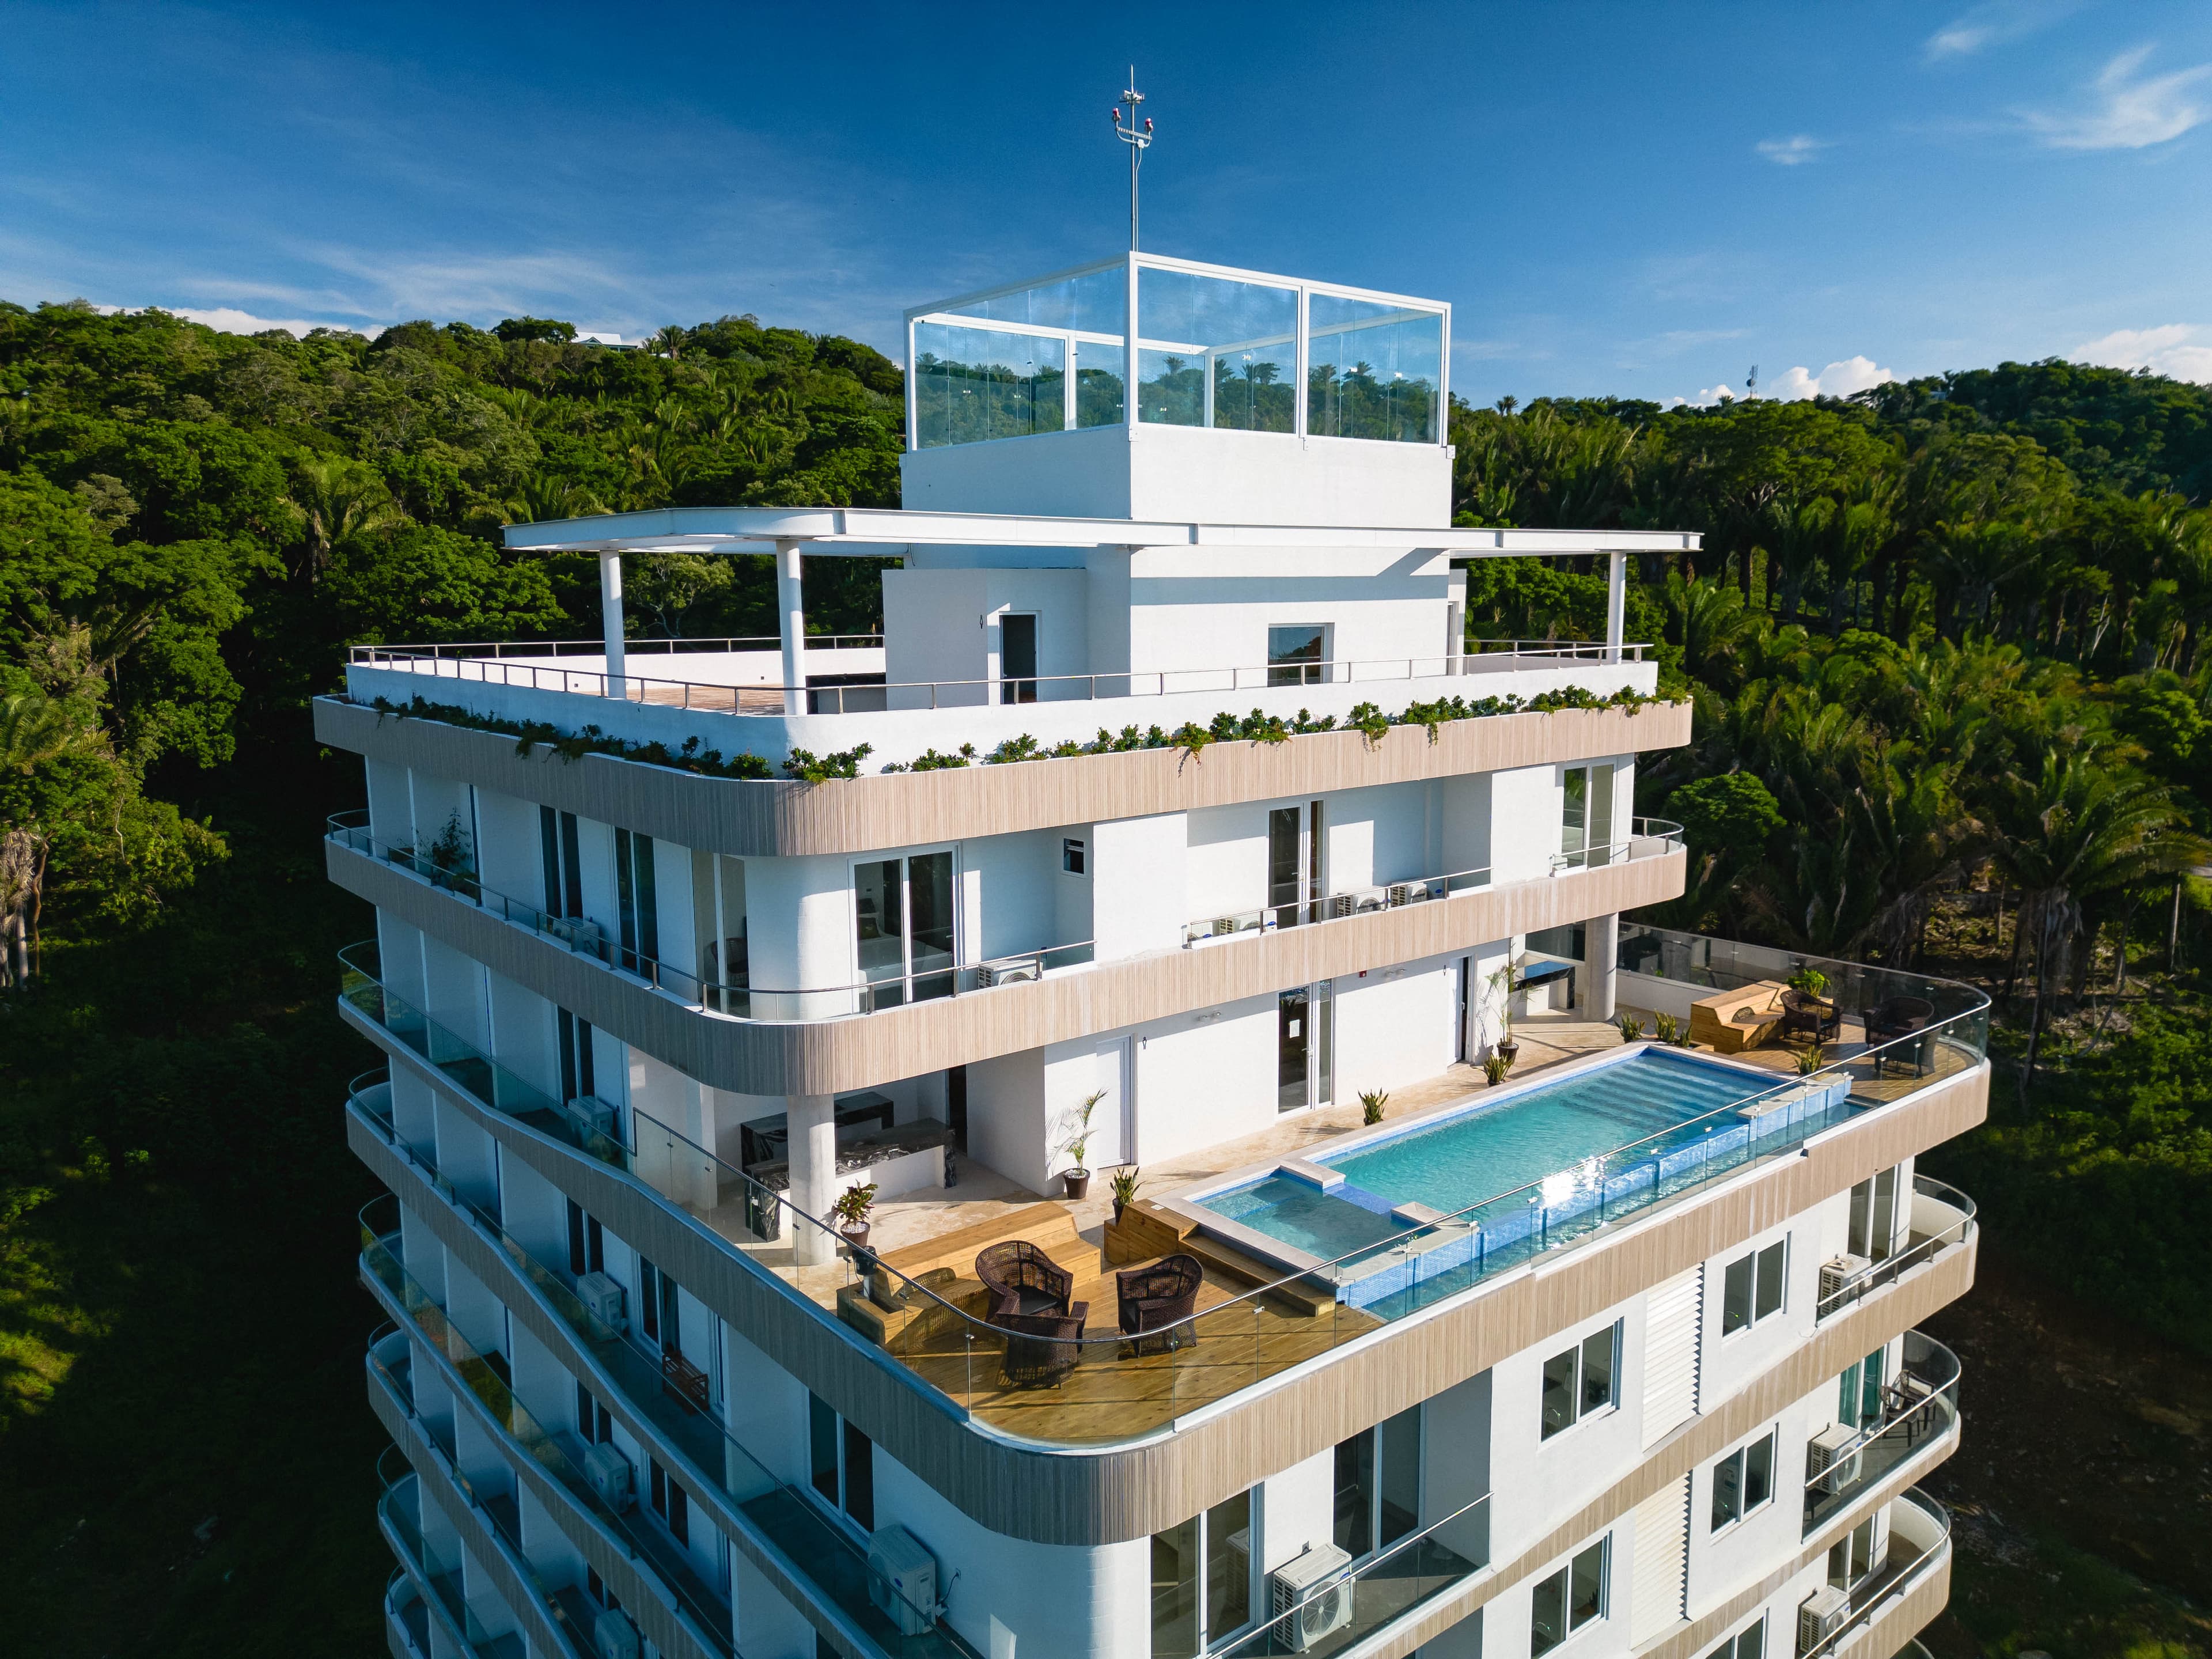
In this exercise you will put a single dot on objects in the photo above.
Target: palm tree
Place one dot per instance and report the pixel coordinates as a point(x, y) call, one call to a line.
point(339, 499)
point(33, 729)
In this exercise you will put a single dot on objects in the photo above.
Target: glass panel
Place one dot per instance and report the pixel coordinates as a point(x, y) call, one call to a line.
point(1586, 1586)
point(822, 1448)
point(1884, 1227)
point(929, 890)
point(972, 385)
point(1323, 1013)
point(1215, 352)
point(1752, 1645)
point(625, 900)
point(1018, 632)
point(1354, 1530)
point(1872, 1372)
point(1558, 1392)
point(1374, 371)
point(1727, 1490)
point(1291, 1021)
point(1574, 814)
point(878, 921)
point(1283, 864)
point(1597, 1369)
point(1600, 813)
point(1861, 1202)
point(1175, 1591)
point(1847, 1396)
point(1758, 1474)
point(1100, 387)
point(1228, 1566)
point(1772, 1261)
point(1094, 302)
point(1547, 1614)
point(1736, 1296)
point(549, 848)
point(1294, 655)
point(648, 900)
point(859, 1478)
point(1401, 1505)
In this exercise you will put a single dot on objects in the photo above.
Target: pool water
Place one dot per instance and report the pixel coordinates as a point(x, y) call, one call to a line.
point(1300, 1213)
point(1551, 1130)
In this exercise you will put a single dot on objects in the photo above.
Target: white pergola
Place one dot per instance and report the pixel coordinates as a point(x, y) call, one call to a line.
point(789, 533)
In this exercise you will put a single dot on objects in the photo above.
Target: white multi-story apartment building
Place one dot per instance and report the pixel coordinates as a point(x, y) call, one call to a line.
point(1616, 1354)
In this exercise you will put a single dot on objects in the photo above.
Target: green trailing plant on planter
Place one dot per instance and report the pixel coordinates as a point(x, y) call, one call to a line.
point(1371, 1102)
point(1631, 1027)
point(807, 767)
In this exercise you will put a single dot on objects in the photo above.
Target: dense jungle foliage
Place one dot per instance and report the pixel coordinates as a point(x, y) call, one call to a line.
point(1953, 709)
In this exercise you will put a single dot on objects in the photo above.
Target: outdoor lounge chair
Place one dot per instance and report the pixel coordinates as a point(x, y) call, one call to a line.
point(1899, 1017)
point(1157, 1297)
point(1023, 1279)
point(1815, 1016)
point(1042, 1347)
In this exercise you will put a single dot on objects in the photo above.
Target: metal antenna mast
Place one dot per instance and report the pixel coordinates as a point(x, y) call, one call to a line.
point(1751, 385)
point(1138, 139)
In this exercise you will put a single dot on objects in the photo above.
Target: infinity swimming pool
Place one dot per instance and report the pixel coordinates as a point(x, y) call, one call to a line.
point(1537, 1155)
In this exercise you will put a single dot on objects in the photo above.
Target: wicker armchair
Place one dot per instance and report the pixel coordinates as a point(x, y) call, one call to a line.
point(1899, 1017)
point(1042, 1347)
point(1157, 1297)
point(1023, 1279)
point(1815, 1017)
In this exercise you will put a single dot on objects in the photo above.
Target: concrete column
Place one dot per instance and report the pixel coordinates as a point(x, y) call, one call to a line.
point(811, 1122)
point(1602, 944)
point(791, 611)
point(1616, 604)
point(610, 614)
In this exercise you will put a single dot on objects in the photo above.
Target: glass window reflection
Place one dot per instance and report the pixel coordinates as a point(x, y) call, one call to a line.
point(1374, 371)
point(1215, 352)
point(972, 385)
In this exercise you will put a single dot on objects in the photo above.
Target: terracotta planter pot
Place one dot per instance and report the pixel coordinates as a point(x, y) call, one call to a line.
point(1077, 1182)
point(855, 1237)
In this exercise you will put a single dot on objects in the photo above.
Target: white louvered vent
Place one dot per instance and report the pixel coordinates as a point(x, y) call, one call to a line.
point(1673, 1320)
point(1660, 1597)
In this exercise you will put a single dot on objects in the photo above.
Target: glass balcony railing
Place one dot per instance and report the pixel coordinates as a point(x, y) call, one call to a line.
point(436, 1573)
point(813, 1550)
point(1942, 1216)
point(1391, 1586)
point(1910, 1415)
point(1919, 1543)
point(1062, 1389)
point(704, 1608)
point(736, 1000)
point(409, 1614)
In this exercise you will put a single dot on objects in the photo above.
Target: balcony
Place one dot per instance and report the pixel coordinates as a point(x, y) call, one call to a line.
point(788, 1531)
point(704, 1608)
point(406, 1618)
point(436, 1579)
point(1942, 1216)
point(1251, 1323)
point(1919, 1549)
point(1918, 1424)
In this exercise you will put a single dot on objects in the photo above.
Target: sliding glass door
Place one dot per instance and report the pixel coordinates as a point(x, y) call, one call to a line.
point(903, 911)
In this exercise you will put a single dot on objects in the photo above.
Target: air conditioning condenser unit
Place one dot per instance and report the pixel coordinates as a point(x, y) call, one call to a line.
point(602, 1296)
point(1821, 1615)
point(1319, 1580)
point(1839, 1271)
point(610, 1476)
point(614, 1636)
point(902, 1580)
point(1832, 1458)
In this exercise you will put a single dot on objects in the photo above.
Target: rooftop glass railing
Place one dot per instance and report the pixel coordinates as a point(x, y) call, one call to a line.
point(809, 1545)
point(725, 697)
point(1919, 1543)
point(740, 1000)
point(1394, 1584)
point(702, 1605)
point(1898, 1421)
point(1941, 1215)
point(1894, 996)
point(1092, 1394)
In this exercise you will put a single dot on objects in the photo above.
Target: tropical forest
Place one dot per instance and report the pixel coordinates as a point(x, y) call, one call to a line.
point(1948, 647)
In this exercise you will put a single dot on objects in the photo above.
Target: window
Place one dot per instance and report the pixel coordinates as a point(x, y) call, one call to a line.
point(1749, 1642)
point(1204, 1565)
point(1586, 819)
point(1743, 1481)
point(670, 1503)
point(1305, 1034)
point(1378, 1485)
point(1295, 842)
point(1579, 1383)
point(1852, 1557)
point(1298, 655)
point(1751, 1288)
point(1569, 1599)
point(594, 1427)
point(660, 1311)
point(903, 928)
point(1874, 1217)
point(1071, 857)
point(588, 1241)
point(635, 900)
point(564, 877)
point(841, 1464)
point(574, 1038)
point(1858, 1403)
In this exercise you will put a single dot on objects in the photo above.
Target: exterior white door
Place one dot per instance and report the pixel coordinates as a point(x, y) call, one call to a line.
point(1659, 1595)
point(1673, 1320)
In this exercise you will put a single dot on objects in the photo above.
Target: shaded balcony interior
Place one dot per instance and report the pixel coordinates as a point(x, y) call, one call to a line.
point(913, 1288)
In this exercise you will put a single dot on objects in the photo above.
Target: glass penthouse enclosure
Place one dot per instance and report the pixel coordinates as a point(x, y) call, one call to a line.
point(1234, 349)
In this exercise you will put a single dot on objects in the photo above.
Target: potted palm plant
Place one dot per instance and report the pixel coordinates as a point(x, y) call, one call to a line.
point(1501, 1003)
point(1124, 1182)
point(851, 1214)
point(1077, 1180)
point(1371, 1102)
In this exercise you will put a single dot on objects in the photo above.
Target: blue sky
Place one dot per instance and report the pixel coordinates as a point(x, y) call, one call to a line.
point(1640, 199)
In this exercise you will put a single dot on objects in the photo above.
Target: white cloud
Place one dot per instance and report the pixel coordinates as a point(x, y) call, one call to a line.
point(1835, 380)
point(2124, 112)
point(2181, 351)
point(1792, 152)
point(1989, 24)
point(228, 319)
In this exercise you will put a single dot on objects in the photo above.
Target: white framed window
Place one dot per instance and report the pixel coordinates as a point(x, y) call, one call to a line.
point(1074, 857)
point(904, 927)
point(1743, 1481)
point(1753, 1287)
point(1206, 1578)
point(1749, 1642)
point(1581, 1381)
point(1298, 653)
point(1571, 1599)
